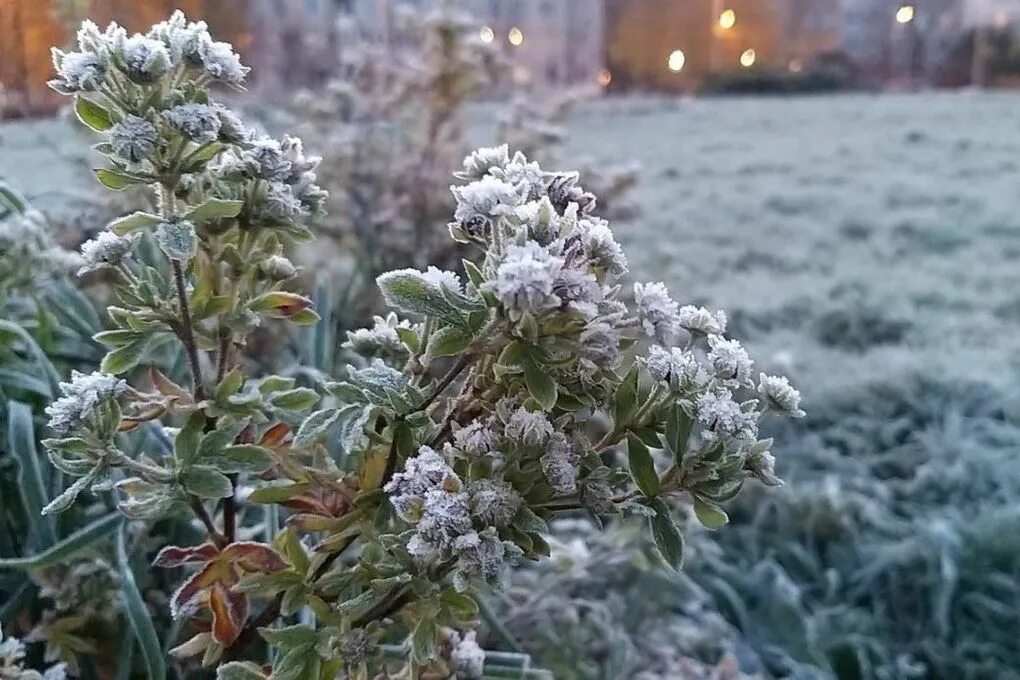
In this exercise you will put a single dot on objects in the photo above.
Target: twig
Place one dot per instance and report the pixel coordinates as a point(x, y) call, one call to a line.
point(187, 332)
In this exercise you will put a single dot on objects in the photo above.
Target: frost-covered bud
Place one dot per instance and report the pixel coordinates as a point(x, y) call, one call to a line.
point(601, 248)
point(232, 128)
point(356, 646)
point(145, 60)
point(525, 278)
point(657, 311)
point(779, 395)
point(482, 555)
point(680, 369)
point(443, 279)
point(221, 62)
point(177, 239)
point(701, 321)
point(600, 344)
point(265, 159)
point(106, 249)
point(579, 290)
point(467, 659)
point(294, 151)
point(478, 163)
point(80, 398)
point(281, 203)
point(195, 122)
point(422, 473)
point(559, 464)
point(762, 464)
point(724, 418)
point(563, 189)
point(730, 361)
point(474, 440)
point(445, 517)
point(487, 197)
point(528, 428)
point(524, 175)
point(493, 501)
point(379, 340)
point(77, 71)
point(277, 268)
point(134, 139)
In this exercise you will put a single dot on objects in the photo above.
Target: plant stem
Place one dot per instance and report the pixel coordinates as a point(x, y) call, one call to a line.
point(203, 515)
point(187, 332)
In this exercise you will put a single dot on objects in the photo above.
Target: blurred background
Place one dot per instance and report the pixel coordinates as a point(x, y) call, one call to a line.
point(839, 175)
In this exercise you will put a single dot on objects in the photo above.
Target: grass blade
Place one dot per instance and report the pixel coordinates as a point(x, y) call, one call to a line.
point(80, 540)
point(139, 617)
point(34, 497)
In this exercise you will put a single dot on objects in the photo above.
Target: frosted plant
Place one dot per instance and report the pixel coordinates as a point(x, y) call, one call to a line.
point(525, 388)
point(12, 663)
point(28, 254)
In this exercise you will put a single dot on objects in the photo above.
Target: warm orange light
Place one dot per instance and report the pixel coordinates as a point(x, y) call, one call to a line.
point(727, 20)
point(486, 34)
point(676, 61)
point(605, 77)
point(747, 58)
point(515, 36)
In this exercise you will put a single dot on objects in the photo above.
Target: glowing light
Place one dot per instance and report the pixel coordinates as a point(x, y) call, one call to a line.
point(676, 61)
point(522, 75)
point(486, 34)
point(796, 66)
point(605, 77)
point(747, 58)
point(905, 14)
point(727, 19)
point(515, 36)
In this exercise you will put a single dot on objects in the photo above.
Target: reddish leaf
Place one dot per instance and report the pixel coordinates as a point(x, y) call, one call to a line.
point(175, 556)
point(229, 612)
point(253, 557)
point(275, 435)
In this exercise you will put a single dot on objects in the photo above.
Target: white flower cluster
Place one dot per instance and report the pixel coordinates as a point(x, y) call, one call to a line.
point(447, 514)
point(143, 59)
point(80, 398)
point(467, 658)
point(12, 663)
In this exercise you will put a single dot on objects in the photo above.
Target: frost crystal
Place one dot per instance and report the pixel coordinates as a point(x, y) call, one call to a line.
point(524, 280)
point(134, 139)
point(487, 197)
point(467, 659)
point(700, 320)
point(656, 310)
point(106, 249)
point(780, 395)
point(725, 418)
point(196, 122)
point(81, 397)
point(443, 279)
point(528, 428)
point(493, 501)
point(730, 360)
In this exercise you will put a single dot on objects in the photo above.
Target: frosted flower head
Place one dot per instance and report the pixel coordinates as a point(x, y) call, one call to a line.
point(265, 159)
point(198, 123)
point(281, 203)
point(493, 501)
point(77, 71)
point(478, 163)
point(80, 398)
point(559, 464)
point(779, 395)
point(482, 555)
point(699, 320)
point(563, 188)
point(730, 361)
point(467, 659)
point(144, 60)
point(221, 62)
point(724, 418)
point(356, 646)
point(134, 139)
point(443, 279)
point(528, 428)
point(680, 369)
point(600, 344)
point(526, 176)
point(525, 278)
point(232, 128)
point(656, 311)
point(423, 473)
point(106, 249)
point(762, 465)
point(579, 290)
point(486, 197)
point(601, 248)
point(445, 517)
point(474, 440)
point(379, 340)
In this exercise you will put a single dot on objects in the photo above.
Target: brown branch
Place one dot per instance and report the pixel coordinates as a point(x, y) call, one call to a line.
point(203, 515)
point(186, 332)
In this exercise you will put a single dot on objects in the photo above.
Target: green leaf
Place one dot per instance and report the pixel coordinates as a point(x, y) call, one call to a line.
point(231, 384)
point(118, 338)
point(115, 180)
point(133, 222)
point(678, 431)
point(642, 467)
point(289, 636)
point(92, 115)
point(710, 514)
point(540, 384)
point(124, 358)
point(202, 155)
point(206, 482)
point(298, 399)
point(242, 458)
point(239, 670)
point(668, 539)
point(83, 539)
point(315, 425)
point(70, 494)
point(424, 641)
point(277, 493)
point(138, 615)
point(215, 209)
point(449, 341)
point(625, 400)
point(188, 441)
point(21, 443)
point(408, 291)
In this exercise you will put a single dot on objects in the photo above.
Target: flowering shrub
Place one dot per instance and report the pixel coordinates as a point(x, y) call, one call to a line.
point(525, 388)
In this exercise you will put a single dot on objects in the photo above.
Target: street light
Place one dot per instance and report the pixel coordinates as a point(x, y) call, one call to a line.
point(515, 36)
point(727, 19)
point(747, 58)
point(676, 61)
point(905, 14)
point(486, 34)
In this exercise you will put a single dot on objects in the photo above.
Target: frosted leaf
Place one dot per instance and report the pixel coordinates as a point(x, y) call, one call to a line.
point(528, 428)
point(177, 240)
point(443, 279)
point(474, 440)
point(493, 501)
point(780, 395)
point(80, 398)
point(700, 320)
point(379, 340)
point(487, 197)
point(601, 248)
point(478, 163)
point(600, 344)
